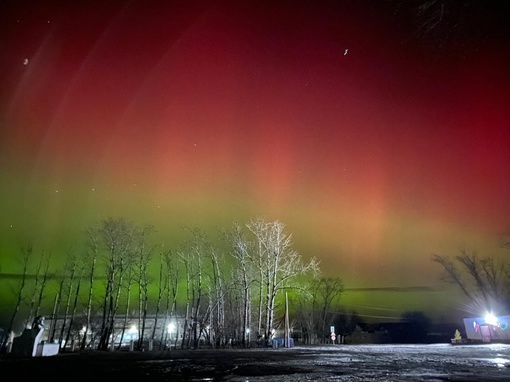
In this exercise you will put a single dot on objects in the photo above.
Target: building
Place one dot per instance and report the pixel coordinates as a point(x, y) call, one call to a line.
point(487, 329)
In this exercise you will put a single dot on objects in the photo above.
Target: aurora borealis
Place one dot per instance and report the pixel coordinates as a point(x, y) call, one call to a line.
point(375, 147)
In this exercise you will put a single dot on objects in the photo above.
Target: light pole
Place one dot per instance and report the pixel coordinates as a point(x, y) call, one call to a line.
point(169, 330)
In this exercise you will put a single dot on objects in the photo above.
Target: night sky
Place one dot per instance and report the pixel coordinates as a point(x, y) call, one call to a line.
point(378, 134)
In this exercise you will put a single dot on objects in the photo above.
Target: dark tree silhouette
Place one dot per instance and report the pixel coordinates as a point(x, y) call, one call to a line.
point(416, 327)
point(467, 26)
point(484, 281)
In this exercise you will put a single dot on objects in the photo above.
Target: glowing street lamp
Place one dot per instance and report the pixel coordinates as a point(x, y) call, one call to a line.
point(170, 328)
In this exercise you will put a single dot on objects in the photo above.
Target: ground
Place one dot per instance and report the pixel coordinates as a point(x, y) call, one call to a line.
point(410, 363)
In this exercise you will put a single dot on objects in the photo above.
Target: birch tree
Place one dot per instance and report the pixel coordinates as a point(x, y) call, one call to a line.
point(116, 237)
point(71, 327)
point(242, 253)
point(90, 262)
point(129, 281)
point(171, 288)
point(144, 252)
point(218, 288)
point(66, 291)
point(192, 257)
point(162, 285)
point(41, 282)
point(278, 264)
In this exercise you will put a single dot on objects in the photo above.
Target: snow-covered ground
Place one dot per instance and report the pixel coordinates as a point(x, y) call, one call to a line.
point(437, 362)
point(384, 363)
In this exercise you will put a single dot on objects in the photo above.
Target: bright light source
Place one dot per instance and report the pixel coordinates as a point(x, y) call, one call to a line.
point(133, 329)
point(491, 319)
point(170, 328)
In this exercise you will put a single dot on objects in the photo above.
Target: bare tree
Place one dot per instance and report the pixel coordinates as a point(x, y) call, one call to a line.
point(162, 285)
point(42, 284)
point(317, 307)
point(171, 280)
point(205, 290)
point(26, 253)
point(71, 327)
point(329, 291)
point(62, 285)
point(207, 294)
point(306, 315)
point(192, 257)
point(116, 237)
point(129, 281)
point(213, 321)
point(278, 264)
point(93, 243)
point(243, 275)
point(484, 281)
point(66, 290)
point(186, 261)
point(464, 26)
point(144, 252)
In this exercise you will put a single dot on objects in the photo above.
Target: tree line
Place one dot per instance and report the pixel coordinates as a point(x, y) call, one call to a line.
point(219, 294)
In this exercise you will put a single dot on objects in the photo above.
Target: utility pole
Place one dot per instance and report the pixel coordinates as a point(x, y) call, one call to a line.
point(287, 334)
